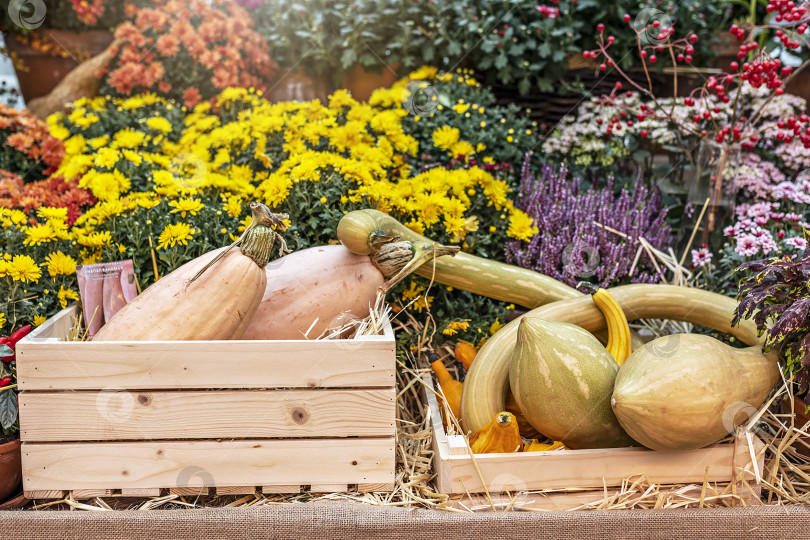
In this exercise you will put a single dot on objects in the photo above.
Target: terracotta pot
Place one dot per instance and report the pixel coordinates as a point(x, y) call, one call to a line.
point(361, 83)
point(10, 469)
point(799, 420)
point(43, 70)
point(298, 86)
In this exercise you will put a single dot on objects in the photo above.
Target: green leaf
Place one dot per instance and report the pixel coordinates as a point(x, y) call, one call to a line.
point(5, 351)
point(8, 408)
point(544, 50)
point(501, 61)
point(524, 86)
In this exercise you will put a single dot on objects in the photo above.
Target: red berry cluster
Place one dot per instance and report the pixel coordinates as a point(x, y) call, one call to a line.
point(787, 10)
point(765, 71)
point(795, 127)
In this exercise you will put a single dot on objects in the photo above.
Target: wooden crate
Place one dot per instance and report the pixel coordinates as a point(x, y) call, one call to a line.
point(569, 479)
point(237, 416)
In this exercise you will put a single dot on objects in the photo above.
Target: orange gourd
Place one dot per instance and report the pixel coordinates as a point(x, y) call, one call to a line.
point(451, 388)
point(465, 353)
point(499, 436)
point(536, 446)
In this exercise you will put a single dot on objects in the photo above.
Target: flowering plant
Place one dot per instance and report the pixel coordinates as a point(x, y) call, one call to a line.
point(775, 293)
point(188, 51)
point(171, 184)
point(28, 148)
point(590, 234)
point(67, 14)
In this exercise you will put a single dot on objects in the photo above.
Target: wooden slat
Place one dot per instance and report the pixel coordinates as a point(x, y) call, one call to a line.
point(561, 501)
point(329, 488)
point(50, 466)
point(44, 494)
point(47, 365)
point(140, 492)
point(369, 488)
point(189, 492)
point(58, 326)
point(281, 489)
point(199, 364)
point(91, 493)
point(236, 490)
point(101, 416)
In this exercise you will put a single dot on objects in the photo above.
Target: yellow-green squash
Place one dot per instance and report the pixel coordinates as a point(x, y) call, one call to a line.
point(562, 379)
point(688, 391)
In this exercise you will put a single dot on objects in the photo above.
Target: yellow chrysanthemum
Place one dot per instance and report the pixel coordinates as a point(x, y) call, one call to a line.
point(106, 158)
point(39, 319)
point(66, 294)
point(520, 226)
point(445, 137)
point(159, 124)
point(456, 326)
point(50, 213)
point(24, 268)
point(175, 233)
point(3, 320)
point(95, 240)
point(59, 263)
point(40, 234)
point(128, 138)
point(183, 206)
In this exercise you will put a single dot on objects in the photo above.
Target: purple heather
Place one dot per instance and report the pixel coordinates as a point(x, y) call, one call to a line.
point(572, 245)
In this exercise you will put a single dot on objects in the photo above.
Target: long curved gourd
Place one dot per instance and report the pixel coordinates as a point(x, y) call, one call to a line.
point(477, 275)
point(360, 230)
point(488, 379)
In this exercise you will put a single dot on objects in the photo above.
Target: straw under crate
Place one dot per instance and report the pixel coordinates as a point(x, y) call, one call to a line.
point(235, 416)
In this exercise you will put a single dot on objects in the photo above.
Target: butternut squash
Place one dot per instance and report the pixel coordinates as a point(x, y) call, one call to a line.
point(318, 288)
point(210, 298)
point(499, 436)
point(323, 283)
point(687, 391)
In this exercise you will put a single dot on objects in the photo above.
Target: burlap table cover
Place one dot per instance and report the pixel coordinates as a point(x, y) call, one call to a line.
point(350, 521)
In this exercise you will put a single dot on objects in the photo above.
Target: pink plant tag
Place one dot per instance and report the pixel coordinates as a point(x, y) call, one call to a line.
point(105, 288)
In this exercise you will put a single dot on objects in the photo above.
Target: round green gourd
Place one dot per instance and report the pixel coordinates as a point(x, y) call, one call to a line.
point(562, 379)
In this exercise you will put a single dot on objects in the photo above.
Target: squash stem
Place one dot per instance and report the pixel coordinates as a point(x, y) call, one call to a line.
point(421, 254)
point(259, 243)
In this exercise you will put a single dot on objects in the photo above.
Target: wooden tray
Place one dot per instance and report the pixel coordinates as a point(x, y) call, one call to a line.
point(568, 479)
point(237, 416)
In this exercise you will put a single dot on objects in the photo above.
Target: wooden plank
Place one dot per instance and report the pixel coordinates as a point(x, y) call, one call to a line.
point(140, 492)
point(44, 494)
point(281, 489)
point(58, 326)
point(329, 488)
point(118, 465)
point(199, 364)
point(236, 490)
point(370, 488)
point(189, 492)
point(566, 501)
point(91, 493)
point(123, 415)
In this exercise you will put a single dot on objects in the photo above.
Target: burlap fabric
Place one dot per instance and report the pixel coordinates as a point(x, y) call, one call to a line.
point(340, 520)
